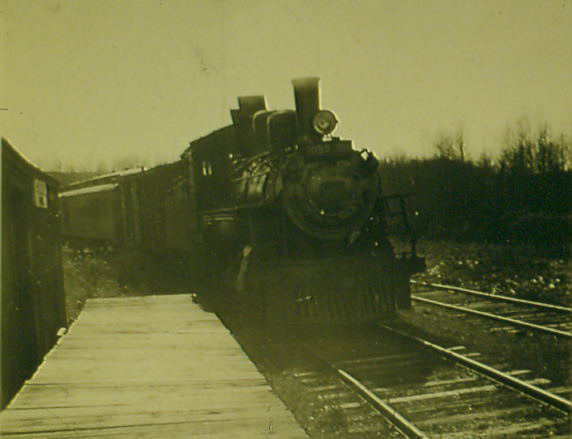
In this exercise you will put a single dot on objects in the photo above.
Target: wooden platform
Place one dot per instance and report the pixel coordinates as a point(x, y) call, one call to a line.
point(147, 367)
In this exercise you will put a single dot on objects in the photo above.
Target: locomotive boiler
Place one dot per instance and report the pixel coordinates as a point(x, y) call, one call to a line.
point(293, 219)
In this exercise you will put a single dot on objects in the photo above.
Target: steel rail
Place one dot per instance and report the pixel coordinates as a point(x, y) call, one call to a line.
point(535, 392)
point(497, 297)
point(397, 419)
point(531, 326)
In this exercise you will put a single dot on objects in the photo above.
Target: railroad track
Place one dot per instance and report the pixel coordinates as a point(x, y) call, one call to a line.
point(513, 313)
point(428, 391)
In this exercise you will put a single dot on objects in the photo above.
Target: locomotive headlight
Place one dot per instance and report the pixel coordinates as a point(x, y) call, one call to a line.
point(325, 122)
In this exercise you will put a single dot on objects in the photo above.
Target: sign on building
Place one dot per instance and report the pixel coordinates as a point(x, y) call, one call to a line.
point(40, 194)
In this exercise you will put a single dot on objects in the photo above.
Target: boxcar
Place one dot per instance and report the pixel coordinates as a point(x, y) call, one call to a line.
point(93, 211)
point(91, 215)
point(158, 233)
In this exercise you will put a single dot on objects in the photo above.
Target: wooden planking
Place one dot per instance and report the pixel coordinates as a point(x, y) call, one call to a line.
point(155, 366)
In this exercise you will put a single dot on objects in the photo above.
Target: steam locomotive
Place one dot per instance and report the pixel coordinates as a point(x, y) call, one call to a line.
point(272, 211)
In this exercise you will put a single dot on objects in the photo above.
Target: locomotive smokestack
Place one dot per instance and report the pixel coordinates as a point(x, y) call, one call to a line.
point(307, 96)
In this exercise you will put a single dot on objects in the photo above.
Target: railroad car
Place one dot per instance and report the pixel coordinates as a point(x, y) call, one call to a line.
point(277, 213)
point(33, 302)
point(93, 212)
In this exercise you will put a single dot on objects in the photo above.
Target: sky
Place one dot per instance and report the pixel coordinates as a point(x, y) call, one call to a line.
point(86, 83)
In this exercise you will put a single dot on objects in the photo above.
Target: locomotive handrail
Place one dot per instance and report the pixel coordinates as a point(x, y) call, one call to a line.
point(248, 177)
point(397, 196)
point(230, 209)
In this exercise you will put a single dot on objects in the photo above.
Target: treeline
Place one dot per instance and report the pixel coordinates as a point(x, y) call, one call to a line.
point(103, 166)
point(524, 195)
point(66, 178)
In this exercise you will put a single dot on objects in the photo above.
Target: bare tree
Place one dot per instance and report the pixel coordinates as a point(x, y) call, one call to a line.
point(450, 146)
point(538, 153)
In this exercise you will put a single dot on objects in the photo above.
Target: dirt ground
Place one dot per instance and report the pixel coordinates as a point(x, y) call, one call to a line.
point(518, 270)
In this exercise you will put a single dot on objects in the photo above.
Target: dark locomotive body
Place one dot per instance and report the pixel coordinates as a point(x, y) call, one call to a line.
point(274, 212)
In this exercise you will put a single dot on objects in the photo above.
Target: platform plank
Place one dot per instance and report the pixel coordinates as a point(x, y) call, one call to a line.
point(147, 367)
